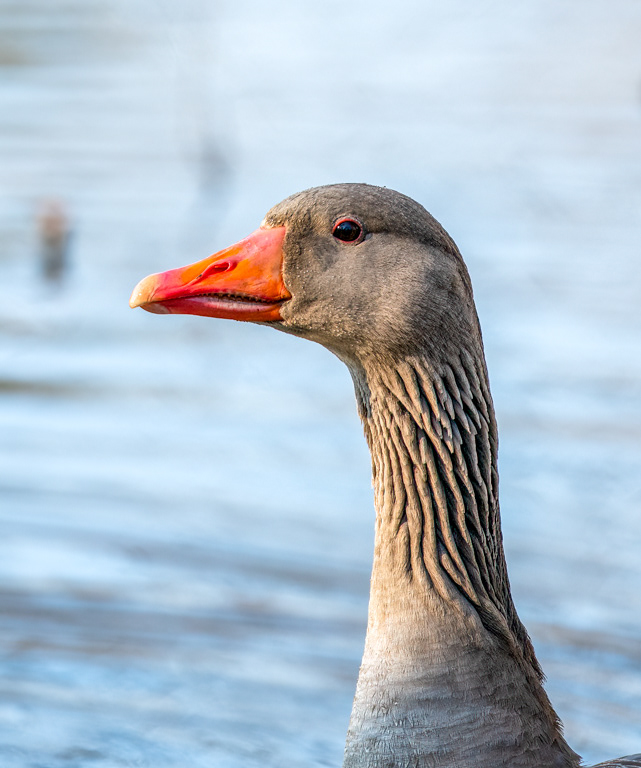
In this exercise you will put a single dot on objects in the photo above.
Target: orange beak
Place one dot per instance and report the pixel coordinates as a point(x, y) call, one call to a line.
point(243, 282)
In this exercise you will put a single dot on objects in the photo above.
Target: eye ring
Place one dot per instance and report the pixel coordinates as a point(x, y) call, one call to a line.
point(348, 230)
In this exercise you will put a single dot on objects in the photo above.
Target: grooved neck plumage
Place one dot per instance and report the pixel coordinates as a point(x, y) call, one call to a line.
point(449, 676)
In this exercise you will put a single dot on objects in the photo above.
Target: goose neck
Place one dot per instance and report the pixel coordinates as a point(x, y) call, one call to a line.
point(448, 666)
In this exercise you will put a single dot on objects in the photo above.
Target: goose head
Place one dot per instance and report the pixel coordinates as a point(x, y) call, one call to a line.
point(363, 270)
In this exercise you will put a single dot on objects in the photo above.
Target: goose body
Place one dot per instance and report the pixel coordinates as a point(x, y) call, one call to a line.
point(449, 678)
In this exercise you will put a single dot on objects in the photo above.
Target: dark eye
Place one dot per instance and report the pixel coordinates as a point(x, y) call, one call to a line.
point(348, 230)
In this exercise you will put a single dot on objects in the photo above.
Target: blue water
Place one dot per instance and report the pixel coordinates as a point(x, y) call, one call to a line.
point(186, 509)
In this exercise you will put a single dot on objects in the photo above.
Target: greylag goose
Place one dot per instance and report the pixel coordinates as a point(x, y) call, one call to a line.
point(449, 678)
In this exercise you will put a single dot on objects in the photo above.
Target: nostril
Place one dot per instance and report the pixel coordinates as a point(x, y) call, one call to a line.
point(216, 267)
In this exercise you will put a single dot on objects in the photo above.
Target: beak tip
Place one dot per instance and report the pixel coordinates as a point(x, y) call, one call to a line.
point(143, 293)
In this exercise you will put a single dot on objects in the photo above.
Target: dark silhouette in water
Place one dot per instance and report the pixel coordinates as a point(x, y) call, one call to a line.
point(54, 233)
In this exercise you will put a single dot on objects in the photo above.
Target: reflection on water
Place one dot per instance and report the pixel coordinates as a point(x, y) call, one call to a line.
point(186, 512)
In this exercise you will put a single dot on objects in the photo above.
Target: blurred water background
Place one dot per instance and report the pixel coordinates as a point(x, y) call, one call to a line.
point(187, 520)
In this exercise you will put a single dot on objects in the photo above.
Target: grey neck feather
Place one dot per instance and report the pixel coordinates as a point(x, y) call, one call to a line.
point(449, 676)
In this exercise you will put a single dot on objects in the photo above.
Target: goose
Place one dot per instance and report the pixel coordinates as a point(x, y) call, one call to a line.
point(449, 677)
